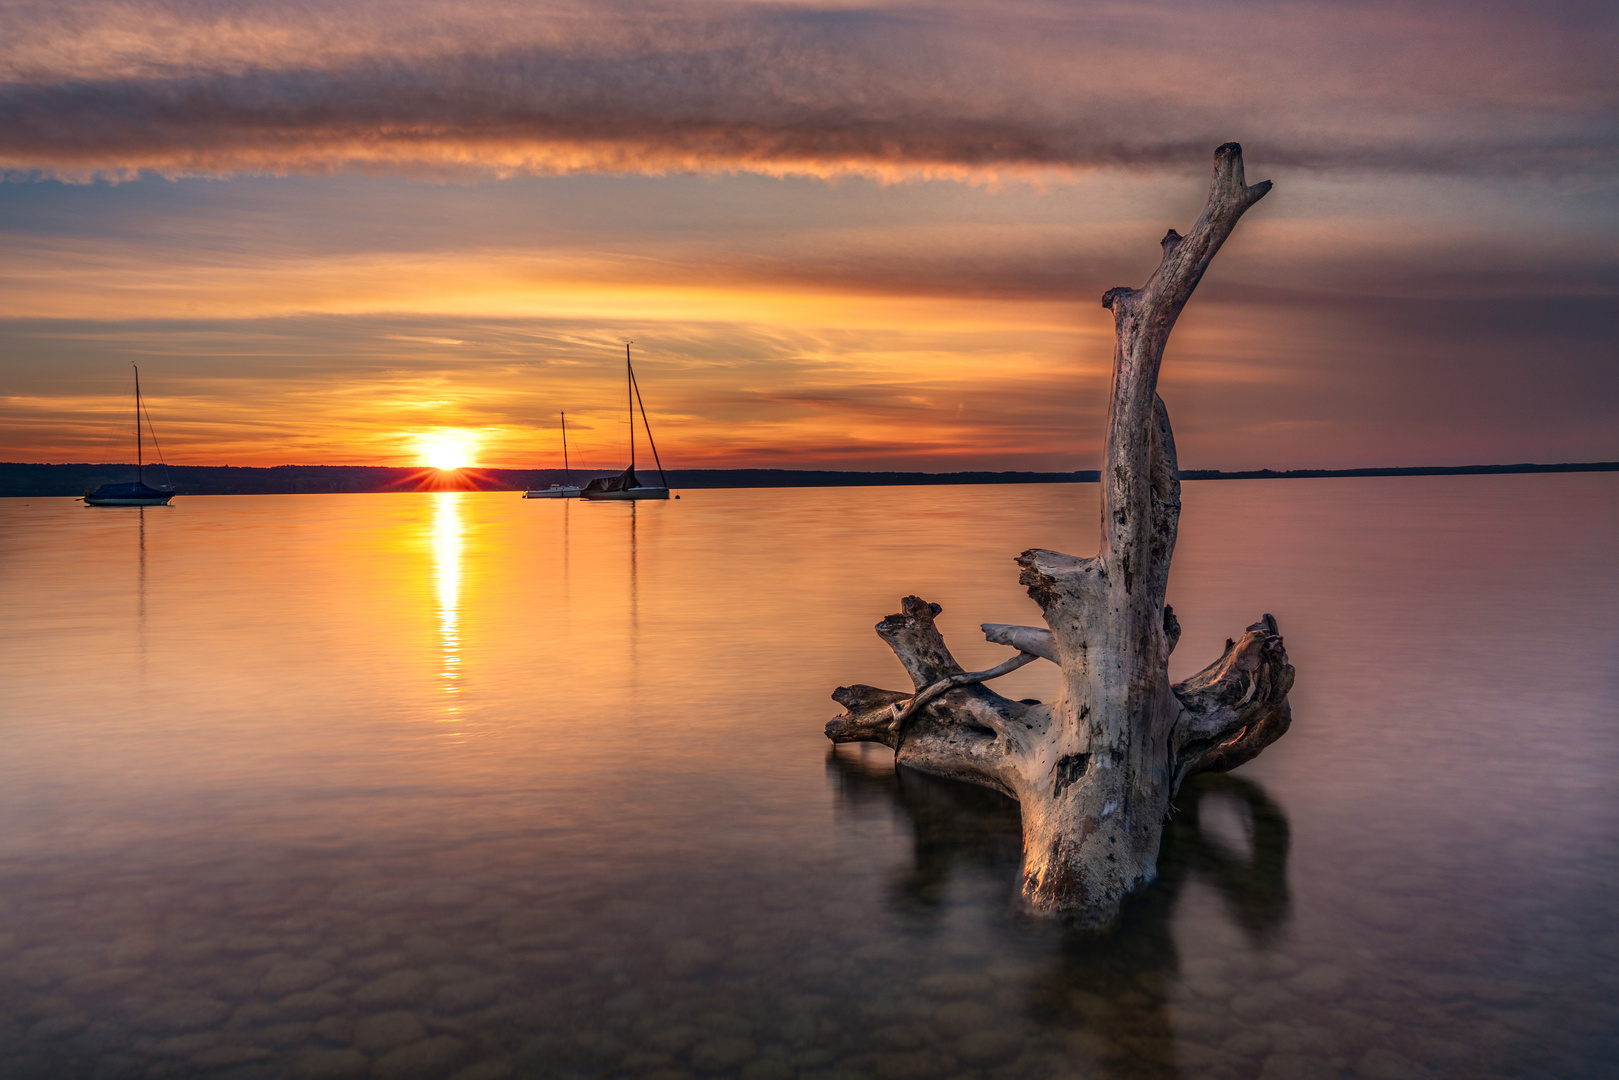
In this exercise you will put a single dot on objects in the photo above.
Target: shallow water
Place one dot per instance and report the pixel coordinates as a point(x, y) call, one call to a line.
point(462, 785)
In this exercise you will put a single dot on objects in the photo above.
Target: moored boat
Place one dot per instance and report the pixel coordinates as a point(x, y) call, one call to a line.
point(563, 490)
point(135, 494)
point(627, 485)
point(555, 491)
point(138, 493)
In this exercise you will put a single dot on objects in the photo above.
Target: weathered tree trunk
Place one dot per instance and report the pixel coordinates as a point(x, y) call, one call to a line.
point(1095, 771)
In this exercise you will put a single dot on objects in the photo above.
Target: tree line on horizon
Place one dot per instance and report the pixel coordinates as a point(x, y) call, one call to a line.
point(23, 479)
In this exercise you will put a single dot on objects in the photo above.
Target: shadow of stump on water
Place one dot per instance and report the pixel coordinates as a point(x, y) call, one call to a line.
point(1110, 989)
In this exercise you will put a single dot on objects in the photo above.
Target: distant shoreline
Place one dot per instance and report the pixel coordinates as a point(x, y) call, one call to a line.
point(20, 480)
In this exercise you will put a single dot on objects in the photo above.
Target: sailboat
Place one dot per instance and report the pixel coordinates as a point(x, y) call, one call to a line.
point(563, 490)
point(138, 493)
point(627, 485)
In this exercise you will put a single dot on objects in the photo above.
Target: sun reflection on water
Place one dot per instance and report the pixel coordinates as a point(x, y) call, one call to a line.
point(447, 543)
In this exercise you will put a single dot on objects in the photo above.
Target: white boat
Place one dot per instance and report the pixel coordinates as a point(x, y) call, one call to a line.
point(627, 485)
point(559, 491)
point(137, 493)
point(555, 491)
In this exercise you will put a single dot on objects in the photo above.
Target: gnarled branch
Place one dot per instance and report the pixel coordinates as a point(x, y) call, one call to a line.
point(1094, 772)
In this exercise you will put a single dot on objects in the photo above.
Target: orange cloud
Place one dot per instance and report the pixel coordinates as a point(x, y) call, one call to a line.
point(1434, 168)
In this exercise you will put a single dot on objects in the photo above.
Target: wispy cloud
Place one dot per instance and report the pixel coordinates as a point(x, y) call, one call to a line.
point(1432, 280)
point(1252, 379)
point(114, 89)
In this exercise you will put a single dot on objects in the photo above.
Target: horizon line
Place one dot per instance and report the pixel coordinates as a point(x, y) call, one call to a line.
point(68, 480)
point(1266, 470)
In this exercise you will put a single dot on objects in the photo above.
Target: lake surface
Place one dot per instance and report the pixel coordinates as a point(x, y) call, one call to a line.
point(433, 785)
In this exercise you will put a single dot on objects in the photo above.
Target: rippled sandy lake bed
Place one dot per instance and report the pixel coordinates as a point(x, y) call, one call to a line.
point(434, 785)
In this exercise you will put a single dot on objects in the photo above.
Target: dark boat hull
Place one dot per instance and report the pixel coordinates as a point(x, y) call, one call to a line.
point(136, 494)
point(628, 493)
point(161, 500)
point(626, 485)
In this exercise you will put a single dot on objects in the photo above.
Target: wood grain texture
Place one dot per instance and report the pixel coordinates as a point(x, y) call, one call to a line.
point(1094, 772)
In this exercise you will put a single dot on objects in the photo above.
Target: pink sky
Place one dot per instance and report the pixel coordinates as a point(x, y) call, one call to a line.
point(868, 237)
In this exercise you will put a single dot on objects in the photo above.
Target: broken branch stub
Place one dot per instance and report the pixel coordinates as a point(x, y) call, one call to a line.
point(1094, 772)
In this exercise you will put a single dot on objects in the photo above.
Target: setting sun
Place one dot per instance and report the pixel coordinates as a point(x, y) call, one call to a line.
point(447, 451)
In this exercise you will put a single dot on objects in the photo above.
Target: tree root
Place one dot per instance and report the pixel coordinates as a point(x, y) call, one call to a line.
point(1094, 772)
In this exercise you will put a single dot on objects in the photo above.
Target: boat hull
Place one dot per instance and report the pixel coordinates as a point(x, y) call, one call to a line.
point(627, 494)
point(553, 493)
point(131, 500)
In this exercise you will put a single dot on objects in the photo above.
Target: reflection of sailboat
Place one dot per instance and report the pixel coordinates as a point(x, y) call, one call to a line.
point(566, 489)
point(627, 485)
point(136, 494)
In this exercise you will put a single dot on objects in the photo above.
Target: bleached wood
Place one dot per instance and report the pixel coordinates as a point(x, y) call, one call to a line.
point(1095, 770)
point(1029, 639)
point(902, 711)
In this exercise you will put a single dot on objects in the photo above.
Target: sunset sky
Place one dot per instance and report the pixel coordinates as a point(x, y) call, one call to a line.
point(840, 236)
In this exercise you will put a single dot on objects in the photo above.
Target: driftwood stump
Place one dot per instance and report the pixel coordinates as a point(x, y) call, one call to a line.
point(1094, 772)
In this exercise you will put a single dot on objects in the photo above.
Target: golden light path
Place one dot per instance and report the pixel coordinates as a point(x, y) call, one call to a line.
point(447, 542)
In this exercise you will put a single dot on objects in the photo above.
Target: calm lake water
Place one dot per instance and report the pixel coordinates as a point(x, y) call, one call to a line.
point(463, 785)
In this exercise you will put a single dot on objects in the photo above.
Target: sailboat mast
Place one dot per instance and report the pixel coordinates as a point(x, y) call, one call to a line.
point(629, 389)
point(649, 438)
point(140, 464)
point(567, 470)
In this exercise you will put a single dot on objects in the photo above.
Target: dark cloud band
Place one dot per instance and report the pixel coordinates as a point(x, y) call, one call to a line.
point(779, 92)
